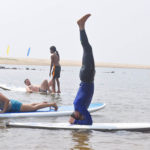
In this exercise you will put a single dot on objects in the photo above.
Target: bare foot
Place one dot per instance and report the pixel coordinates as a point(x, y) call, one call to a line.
point(58, 91)
point(52, 93)
point(49, 91)
point(81, 21)
point(55, 106)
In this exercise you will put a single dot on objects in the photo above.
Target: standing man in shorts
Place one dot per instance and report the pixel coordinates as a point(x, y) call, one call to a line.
point(55, 65)
point(86, 90)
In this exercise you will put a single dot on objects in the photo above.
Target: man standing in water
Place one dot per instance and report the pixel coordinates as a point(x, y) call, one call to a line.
point(56, 69)
point(85, 93)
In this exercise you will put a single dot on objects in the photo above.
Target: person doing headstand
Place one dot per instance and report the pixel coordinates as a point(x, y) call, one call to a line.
point(85, 93)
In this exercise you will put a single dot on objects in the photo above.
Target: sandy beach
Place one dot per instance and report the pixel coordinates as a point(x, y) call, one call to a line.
point(46, 62)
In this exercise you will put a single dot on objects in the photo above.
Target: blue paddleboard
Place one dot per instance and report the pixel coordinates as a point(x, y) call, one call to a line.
point(62, 111)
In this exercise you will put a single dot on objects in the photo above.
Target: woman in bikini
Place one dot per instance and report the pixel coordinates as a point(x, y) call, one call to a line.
point(10, 105)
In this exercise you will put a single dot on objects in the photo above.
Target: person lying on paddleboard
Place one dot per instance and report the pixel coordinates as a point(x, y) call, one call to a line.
point(43, 88)
point(85, 93)
point(10, 105)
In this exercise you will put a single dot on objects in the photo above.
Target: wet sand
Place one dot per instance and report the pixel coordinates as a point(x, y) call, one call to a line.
point(46, 62)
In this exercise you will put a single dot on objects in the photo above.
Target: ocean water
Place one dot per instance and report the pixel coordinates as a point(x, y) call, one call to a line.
point(126, 93)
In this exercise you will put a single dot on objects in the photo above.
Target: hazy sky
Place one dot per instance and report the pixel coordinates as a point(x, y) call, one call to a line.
point(118, 30)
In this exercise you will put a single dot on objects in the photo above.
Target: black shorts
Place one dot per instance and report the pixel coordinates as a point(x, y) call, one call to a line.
point(42, 91)
point(56, 71)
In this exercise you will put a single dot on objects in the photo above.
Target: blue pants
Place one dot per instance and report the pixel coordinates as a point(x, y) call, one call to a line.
point(86, 89)
point(87, 71)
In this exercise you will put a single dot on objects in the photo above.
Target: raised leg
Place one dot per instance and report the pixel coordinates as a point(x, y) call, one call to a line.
point(45, 86)
point(87, 71)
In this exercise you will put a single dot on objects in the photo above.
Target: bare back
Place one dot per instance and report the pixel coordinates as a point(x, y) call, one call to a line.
point(55, 59)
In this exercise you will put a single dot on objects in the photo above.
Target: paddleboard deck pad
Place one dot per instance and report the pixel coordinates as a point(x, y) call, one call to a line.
point(62, 111)
point(95, 126)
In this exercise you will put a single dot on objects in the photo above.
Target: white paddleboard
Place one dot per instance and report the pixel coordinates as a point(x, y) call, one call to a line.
point(62, 111)
point(4, 88)
point(16, 89)
point(21, 89)
point(95, 126)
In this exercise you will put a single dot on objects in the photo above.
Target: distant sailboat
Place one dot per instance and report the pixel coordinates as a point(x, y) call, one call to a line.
point(28, 52)
point(8, 49)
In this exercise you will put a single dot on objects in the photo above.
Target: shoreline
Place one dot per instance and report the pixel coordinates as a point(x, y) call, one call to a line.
point(46, 62)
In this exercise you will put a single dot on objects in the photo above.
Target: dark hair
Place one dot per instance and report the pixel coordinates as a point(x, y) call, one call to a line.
point(25, 80)
point(53, 48)
point(77, 118)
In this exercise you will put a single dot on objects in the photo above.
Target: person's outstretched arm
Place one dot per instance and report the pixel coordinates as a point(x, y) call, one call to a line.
point(28, 90)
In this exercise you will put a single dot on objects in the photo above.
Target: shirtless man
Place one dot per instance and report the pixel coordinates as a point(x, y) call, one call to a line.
point(43, 88)
point(55, 65)
point(86, 90)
